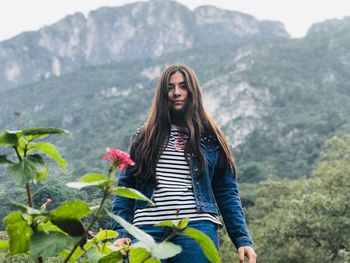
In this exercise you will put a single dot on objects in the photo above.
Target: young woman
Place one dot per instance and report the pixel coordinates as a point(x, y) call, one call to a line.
point(184, 164)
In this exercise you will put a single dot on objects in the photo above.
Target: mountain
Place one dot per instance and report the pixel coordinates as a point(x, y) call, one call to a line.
point(277, 99)
point(130, 32)
point(330, 26)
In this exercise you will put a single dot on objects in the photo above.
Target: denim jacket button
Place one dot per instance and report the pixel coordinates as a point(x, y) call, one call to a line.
point(195, 169)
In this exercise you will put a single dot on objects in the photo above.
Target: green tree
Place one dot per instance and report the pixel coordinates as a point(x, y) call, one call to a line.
point(307, 220)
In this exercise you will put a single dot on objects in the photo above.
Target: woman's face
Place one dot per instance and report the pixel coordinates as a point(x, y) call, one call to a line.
point(177, 92)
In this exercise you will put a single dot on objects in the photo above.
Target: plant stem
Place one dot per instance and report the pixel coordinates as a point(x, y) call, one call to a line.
point(173, 234)
point(29, 192)
point(28, 188)
point(29, 195)
point(94, 219)
point(17, 153)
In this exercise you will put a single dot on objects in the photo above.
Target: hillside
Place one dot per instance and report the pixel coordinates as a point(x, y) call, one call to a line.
point(127, 33)
point(276, 100)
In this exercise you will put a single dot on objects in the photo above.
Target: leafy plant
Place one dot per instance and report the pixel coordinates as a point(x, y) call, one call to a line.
point(43, 233)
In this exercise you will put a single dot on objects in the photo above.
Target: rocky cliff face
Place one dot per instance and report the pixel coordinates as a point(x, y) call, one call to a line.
point(114, 34)
point(330, 26)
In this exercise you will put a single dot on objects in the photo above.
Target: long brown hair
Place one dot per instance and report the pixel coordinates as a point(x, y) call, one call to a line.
point(150, 142)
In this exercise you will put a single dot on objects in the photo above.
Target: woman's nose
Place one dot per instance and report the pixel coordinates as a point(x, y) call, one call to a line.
point(177, 91)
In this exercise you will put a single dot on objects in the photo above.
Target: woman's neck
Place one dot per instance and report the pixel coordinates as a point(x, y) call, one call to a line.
point(178, 119)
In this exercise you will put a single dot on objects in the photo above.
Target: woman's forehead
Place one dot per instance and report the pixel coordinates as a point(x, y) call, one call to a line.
point(176, 77)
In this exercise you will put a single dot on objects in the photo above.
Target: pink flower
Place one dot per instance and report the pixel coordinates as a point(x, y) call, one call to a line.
point(117, 158)
point(47, 203)
point(90, 233)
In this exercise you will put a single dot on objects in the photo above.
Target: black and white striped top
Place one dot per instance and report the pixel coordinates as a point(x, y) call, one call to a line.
point(173, 197)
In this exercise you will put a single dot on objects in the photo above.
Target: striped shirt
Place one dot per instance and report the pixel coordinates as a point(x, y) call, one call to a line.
point(173, 196)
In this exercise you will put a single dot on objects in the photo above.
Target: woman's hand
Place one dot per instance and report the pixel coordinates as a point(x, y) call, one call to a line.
point(248, 252)
point(122, 241)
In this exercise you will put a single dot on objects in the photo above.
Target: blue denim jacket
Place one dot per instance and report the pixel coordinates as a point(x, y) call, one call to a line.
point(213, 192)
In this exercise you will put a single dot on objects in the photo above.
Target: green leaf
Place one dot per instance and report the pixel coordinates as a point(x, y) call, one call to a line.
point(43, 131)
point(67, 217)
point(9, 138)
point(105, 234)
point(89, 244)
point(31, 168)
point(113, 257)
point(130, 193)
point(166, 224)
point(22, 142)
point(48, 227)
point(182, 223)
point(4, 160)
point(50, 244)
point(94, 255)
point(4, 245)
point(80, 185)
point(179, 224)
point(50, 150)
point(19, 235)
point(204, 242)
point(93, 177)
point(28, 210)
point(41, 167)
point(161, 250)
point(19, 232)
point(107, 247)
point(165, 250)
point(12, 217)
point(21, 172)
point(141, 255)
point(35, 137)
point(134, 231)
point(72, 227)
point(71, 210)
point(76, 254)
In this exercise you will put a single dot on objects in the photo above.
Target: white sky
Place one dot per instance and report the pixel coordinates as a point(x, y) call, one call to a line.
point(17, 16)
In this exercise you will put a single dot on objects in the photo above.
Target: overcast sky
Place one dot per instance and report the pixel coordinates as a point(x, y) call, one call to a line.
point(17, 16)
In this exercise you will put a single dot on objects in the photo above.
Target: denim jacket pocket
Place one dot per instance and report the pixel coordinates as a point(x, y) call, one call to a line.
point(210, 150)
point(209, 146)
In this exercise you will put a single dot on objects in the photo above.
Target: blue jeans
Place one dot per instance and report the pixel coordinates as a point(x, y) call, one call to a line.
point(191, 251)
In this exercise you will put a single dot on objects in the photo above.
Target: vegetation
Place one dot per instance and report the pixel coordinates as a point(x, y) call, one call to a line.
point(306, 220)
point(61, 232)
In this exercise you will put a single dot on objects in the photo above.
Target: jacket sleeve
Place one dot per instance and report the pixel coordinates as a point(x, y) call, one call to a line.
point(225, 187)
point(122, 206)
